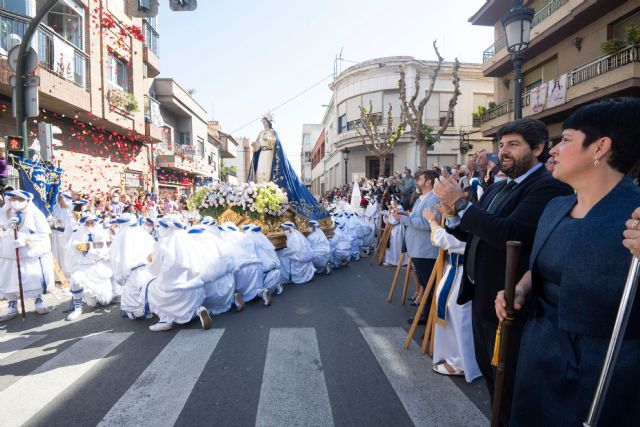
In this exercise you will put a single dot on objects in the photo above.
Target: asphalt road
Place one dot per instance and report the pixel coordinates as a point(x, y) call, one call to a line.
point(325, 353)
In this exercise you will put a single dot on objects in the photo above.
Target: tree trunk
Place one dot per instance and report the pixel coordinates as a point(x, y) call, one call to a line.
point(422, 150)
point(382, 160)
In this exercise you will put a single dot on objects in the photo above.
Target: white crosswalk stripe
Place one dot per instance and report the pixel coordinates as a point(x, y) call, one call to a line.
point(429, 398)
point(293, 390)
point(159, 394)
point(12, 343)
point(26, 397)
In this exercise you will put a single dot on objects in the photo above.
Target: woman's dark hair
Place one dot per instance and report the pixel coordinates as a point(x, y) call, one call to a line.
point(616, 118)
point(533, 131)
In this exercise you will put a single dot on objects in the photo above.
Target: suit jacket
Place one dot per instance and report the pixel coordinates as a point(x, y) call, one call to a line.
point(418, 233)
point(515, 219)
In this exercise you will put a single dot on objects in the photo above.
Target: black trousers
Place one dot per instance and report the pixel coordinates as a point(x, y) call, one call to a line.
point(423, 267)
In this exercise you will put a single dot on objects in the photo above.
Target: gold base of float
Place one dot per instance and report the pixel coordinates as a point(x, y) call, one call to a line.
point(271, 225)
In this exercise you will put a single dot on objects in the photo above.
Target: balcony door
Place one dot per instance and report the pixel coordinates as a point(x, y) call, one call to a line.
point(373, 166)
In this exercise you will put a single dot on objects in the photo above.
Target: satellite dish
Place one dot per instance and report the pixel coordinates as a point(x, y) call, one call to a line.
point(30, 63)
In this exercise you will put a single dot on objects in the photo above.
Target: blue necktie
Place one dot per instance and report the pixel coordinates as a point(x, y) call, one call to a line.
point(19, 216)
point(90, 237)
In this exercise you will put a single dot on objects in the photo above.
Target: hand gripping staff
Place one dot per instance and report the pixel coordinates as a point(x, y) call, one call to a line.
point(502, 334)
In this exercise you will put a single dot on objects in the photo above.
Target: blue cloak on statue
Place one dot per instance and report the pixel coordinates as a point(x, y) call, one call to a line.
point(300, 199)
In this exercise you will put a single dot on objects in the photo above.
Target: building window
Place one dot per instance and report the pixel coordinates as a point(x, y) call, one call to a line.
point(353, 124)
point(342, 123)
point(443, 118)
point(16, 6)
point(118, 73)
point(68, 22)
point(201, 146)
point(184, 138)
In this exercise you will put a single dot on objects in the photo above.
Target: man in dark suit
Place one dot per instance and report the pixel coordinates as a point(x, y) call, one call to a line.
point(508, 210)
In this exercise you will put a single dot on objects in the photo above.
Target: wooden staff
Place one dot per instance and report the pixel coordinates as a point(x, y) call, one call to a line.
point(619, 328)
point(15, 236)
point(405, 286)
point(395, 278)
point(502, 334)
point(429, 331)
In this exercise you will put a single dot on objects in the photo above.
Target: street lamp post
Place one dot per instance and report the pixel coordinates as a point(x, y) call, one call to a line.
point(345, 157)
point(517, 29)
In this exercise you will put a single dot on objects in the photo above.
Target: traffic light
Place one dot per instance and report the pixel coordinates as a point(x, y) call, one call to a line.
point(15, 145)
point(142, 8)
point(183, 5)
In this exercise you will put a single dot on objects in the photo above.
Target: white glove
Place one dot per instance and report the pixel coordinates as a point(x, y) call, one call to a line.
point(13, 220)
point(19, 243)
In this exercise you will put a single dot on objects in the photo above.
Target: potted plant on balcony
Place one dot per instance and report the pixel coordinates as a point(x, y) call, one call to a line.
point(632, 35)
point(124, 101)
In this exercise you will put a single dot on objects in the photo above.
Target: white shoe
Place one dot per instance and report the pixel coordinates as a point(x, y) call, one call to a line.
point(327, 268)
point(266, 297)
point(239, 301)
point(161, 326)
point(279, 289)
point(445, 369)
point(75, 314)
point(40, 307)
point(205, 318)
point(9, 314)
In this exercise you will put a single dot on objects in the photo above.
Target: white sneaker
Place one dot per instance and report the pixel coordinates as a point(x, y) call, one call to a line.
point(40, 307)
point(239, 301)
point(205, 318)
point(9, 314)
point(266, 297)
point(75, 314)
point(328, 268)
point(161, 326)
point(279, 289)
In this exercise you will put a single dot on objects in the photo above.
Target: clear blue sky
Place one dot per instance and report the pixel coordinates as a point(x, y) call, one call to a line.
point(246, 57)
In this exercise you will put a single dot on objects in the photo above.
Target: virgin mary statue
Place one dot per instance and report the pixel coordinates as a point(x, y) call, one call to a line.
point(270, 164)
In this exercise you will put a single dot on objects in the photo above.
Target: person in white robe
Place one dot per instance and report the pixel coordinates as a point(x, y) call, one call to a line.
point(247, 270)
point(453, 350)
point(351, 232)
point(270, 262)
point(219, 283)
point(130, 255)
point(363, 233)
point(368, 218)
point(91, 274)
point(178, 293)
point(396, 240)
point(322, 259)
point(34, 248)
point(296, 258)
point(340, 245)
point(62, 222)
point(149, 226)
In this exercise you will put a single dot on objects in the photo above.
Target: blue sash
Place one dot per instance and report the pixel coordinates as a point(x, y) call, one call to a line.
point(455, 260)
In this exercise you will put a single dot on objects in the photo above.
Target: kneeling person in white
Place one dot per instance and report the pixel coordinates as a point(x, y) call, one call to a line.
point(297, 258)
point(91, 272)
point(322, 259)
point(34, 249)
point(270, 262)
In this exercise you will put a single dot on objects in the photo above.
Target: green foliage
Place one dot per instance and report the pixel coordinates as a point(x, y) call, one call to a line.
point(251, 214)
point(612, 46)
point(429, 137)
point(480, 111)
point(491, 105)
point(196, 200)
point(213, 211)
point(123, 100)
point(633, 34)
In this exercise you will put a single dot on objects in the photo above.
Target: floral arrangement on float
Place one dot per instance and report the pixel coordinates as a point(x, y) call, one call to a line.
point(252, 201)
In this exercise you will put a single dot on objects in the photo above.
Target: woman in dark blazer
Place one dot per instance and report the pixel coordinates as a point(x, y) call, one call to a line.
point(578, 268)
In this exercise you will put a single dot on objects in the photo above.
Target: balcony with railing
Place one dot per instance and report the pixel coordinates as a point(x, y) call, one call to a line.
point(605, 64)
point(151, 51)
point(543, 13)
point(152, 119)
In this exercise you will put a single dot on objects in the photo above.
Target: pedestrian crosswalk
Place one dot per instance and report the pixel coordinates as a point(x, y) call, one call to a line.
point(293, 390)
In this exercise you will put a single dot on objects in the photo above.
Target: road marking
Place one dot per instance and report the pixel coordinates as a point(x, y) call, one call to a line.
point(11, 343)
point(157, 397)
point(428, 398)
point(23, 399)
point(293, 390)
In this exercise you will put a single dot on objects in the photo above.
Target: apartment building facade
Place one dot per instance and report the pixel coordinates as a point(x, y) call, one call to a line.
point(310, 133)
point(579, 52)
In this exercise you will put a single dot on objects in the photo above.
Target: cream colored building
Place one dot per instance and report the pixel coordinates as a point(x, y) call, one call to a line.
point(376, 82)
point(564, 66)
point(310, 134)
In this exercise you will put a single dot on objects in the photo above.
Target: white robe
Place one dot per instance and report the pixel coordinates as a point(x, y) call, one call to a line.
point(297, 259)
point(36, 261)
point(178, 291)
point(63, 219)
point(130, 255)
point(392, 254)
point(269, 258)
point(91, 271)
point(453, 342)
point(321, 249)
point(217, 276)
point(340, 247)
point(247, 267)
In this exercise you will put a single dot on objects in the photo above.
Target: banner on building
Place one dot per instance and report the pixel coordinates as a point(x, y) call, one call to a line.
point(43, 181)
point(188, 150)
point(64, 58)
point(537, 98)
point(557, 91)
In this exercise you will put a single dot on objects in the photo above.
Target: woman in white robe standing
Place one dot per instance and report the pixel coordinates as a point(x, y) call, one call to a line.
point(453, 350)
point(177, 294)
point(62, 223)
point(270, 262)
point(297, 258)
point(392, 254)
point(130, 255)
point(322, 259)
